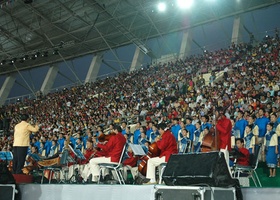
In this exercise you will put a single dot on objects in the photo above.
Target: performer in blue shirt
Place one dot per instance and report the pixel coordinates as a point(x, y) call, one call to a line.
point(190, 127)
point(48, 145)
point(249, 139)
point(54, 149)
point(143, 139)
point(137, 133)
point(149, 129)
point(124, 124)
point(262, 122)
point(175, 128)
point(271, 149)
point(37, 143)
point(60, 141)
point(184, 142)
point(153, 134)
point(205, 122)
point(197, 133)
point(240, 123)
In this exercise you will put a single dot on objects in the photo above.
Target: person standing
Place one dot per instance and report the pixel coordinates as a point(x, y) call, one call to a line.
point(224, 127)
point(271, 149)
point(261, 122)
point(21, 142)
point(240, 123)
point(249, 139)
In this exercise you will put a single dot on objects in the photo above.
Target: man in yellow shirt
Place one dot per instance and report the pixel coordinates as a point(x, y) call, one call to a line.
point(21, 142)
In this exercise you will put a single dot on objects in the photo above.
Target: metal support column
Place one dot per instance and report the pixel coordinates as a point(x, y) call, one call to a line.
point(186, 44)
point(49, 80)
point(137, 60)
point(236, 31)
point(94, 68)
point(6, 88)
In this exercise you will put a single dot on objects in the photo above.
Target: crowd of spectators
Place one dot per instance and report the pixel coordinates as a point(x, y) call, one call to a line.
point(158, 93)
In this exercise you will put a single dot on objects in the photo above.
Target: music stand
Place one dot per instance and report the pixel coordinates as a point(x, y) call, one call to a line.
point(6, 155)
point(137, 149)
point(80, 156)
point(77, 153)
point(70, 159)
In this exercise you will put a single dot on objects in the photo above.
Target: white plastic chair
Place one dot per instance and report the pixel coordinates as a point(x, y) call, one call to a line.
point(117, 167)
point(250, 171)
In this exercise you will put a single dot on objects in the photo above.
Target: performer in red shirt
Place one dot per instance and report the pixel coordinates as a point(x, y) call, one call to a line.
point(112, 152)
point(223, 126)
point(89, 151)
point(243, 160)
point(167, 145)
point(130, 163)
point(81, 163)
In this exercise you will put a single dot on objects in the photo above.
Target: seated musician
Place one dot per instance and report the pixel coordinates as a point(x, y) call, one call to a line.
point(167, 145)
point(31, 160)
point(89, 152)
point(34, 154)
point(242, 160)
point(111, 151)
point(130, 163)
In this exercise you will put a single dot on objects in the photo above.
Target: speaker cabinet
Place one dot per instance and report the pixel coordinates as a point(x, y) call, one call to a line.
point(203, 169)
point(7, 191)
point(194, 193)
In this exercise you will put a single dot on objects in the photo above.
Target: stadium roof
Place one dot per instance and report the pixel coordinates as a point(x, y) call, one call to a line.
point(66, 29)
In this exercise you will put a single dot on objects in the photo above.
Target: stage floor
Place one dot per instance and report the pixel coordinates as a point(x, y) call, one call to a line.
point(117, 192)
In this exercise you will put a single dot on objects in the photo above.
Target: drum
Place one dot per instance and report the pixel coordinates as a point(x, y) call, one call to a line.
point(50, 162)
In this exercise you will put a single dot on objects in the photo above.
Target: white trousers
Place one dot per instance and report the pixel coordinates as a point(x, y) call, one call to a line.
point(134, 171)
point(72, 169)
point(93, 168)
point(151, 167)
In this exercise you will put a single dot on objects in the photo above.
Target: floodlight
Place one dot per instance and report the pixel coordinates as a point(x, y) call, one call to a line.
point(36, 55)
point(161, 7)
point(184, 4)
point(45, 54)
point(13, 60)
point(25, 57)
point(55, 52)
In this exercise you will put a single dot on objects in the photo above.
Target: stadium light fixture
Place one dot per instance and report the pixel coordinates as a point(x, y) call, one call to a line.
point(185, 4)
point(161, 6)
point(45, 54)
point(13, 60)
point(55, 52)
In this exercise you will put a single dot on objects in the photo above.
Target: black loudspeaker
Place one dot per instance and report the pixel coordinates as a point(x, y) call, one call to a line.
point(204, 169)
